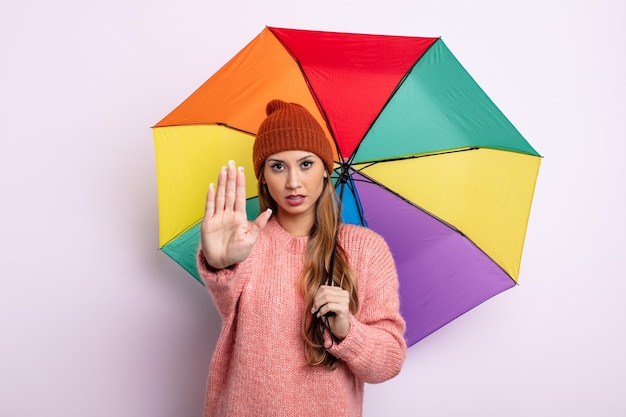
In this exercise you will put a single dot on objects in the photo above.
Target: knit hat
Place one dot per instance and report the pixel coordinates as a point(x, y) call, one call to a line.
point(288, 127)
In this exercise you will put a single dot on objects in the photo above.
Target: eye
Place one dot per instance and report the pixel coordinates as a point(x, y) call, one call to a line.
point(307, 164)
point(277, 166)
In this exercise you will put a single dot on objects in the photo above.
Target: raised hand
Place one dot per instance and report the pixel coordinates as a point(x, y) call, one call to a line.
point(226, 235)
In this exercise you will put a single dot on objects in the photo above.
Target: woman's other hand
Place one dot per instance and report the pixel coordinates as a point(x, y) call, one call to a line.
point(331, 299)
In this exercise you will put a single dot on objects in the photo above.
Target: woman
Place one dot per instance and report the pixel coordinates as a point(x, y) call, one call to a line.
point(294, 341)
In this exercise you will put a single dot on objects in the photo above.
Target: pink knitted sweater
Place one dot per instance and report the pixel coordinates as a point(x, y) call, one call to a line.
point(259, 366)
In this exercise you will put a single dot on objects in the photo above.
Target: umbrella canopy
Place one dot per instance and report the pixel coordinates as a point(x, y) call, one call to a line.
point(423, 157)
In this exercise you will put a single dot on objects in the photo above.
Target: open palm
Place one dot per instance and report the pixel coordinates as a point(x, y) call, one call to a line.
point(227, 237)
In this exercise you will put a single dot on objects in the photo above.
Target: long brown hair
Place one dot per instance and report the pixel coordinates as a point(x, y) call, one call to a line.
point(317, 262)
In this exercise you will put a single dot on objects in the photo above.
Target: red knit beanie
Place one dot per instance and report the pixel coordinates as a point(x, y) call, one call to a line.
point(288, 127)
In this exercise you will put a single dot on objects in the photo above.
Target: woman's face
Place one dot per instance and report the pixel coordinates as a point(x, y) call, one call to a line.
point(295, 180)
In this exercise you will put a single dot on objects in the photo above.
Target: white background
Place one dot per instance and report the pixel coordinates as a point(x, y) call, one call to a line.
point(95, 321)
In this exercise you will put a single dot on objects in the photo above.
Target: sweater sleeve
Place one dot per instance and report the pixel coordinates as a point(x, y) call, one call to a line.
point(224, 285)
point(374, 348)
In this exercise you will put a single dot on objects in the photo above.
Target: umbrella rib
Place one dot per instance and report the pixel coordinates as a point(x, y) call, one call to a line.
point(233, 128)
point(403, 158)
point(372, 181)
point(222, 124)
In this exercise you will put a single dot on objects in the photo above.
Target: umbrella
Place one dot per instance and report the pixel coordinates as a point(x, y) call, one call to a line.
point(423, 157)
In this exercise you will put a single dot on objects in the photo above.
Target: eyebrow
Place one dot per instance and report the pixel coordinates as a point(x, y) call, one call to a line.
point(299, 160)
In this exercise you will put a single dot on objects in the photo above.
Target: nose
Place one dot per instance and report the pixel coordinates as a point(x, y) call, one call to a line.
point(293, 179)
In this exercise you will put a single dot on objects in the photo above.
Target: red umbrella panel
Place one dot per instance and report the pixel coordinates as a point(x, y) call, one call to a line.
point(423, 157)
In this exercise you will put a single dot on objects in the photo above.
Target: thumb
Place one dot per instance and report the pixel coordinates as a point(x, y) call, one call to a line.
point(262, 220)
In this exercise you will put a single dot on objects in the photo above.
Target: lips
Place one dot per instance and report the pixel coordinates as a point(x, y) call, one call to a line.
point(295, 200)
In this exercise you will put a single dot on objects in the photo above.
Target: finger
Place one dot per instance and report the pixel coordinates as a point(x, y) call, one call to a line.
point(259, 224)
point(261, 221)
point(327, 310)
point(231, 186)
point(330, 299)
point(221, 191)
point(321, 303)
point(332, 308)
point(240, 191)
point(209, 209)
point(330, 291)
point(317, 310)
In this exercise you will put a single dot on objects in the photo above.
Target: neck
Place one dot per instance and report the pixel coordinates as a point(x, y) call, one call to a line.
point(295, 225)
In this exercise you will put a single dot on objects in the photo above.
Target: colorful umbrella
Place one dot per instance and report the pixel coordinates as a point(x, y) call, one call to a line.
point(424, 158)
